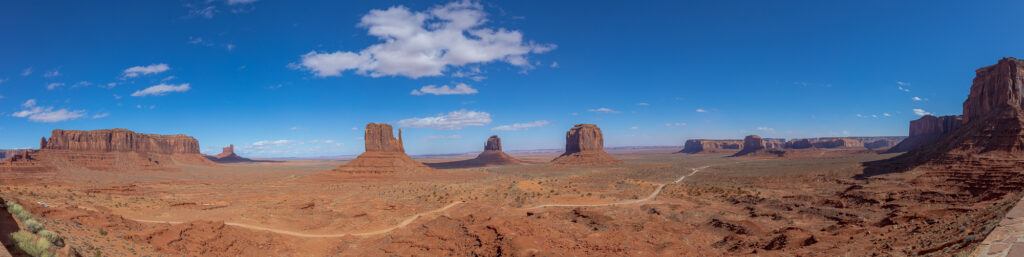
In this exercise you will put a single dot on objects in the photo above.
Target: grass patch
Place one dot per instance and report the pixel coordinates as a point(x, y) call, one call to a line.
point(33, 226)
point(52, 237)
point(32, 245)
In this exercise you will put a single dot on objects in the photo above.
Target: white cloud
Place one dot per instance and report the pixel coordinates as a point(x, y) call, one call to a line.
point(921, 112)
point(554, 64)
point(82, 84)
point(27, 71)
point(162, 89)
point(460, 89)
point(452, 120)
point(677, 124)
point(701, 110)
point(51, 74)
point(100, 115)
point(519, 126)
point(230, 47)
point(902, 86)
point(53, 86)
point(603, 109)
point(355, 129)
point(918, 99)
point(634, 128)
point(273, 142)
point(766, 129)
point(145, 70)
point(643, 104)
point(901, 83)
point(203, 12)
point(234, 2)
point(419, 44)
point(294, 128)
point(46, 114)
point(886, 114)
point(455, 136)
point(574, 113)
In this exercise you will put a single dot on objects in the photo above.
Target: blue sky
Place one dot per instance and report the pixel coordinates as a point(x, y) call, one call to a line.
point(302, 78)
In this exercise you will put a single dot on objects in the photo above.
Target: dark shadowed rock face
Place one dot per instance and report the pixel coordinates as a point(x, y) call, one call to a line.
point(493, 143)
point(755, 145)
point(837, 143)
point(42, 143)
point(802, 143)
point(381, 138)
point(227, 155)
point(925, 130)
point(584, 146)
point(995, 87)
point(120, 140)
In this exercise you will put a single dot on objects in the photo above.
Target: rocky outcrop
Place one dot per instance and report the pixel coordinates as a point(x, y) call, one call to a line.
point(837, 143)
point(491, 156)
point(694, 146)
point(990, 136)
point(8, 153)
point(227, 155)
point(925, 130)
point(755, 145)
point(384, 154)
point(108, 150)
point(584, 146)
point(880, 144)
point(120, 140)
point(802, 143)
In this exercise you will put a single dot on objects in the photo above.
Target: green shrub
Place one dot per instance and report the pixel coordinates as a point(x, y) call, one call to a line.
point(32, 245)
point(52, 237)
point(33, 226)
point(103, 232)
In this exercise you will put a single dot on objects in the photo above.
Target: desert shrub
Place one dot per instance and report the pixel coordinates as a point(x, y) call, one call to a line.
point(52, 237)
point(102, 232)
point(32, 245)
point(33, 226)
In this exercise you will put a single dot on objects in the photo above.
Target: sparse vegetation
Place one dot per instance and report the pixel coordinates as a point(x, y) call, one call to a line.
point(33, 226)
point(52, 237)
point(102, 232)
point(32, 245)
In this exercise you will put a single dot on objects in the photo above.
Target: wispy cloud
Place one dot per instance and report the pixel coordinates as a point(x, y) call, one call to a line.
point(921, 112)
point(520, 126)
point(234, 2)
point(676, 124)
point(643, 104)
point(46, 114)
point(26, 71)
point(634, 127)
point(765, 129)
point(605, 110)
point(450, 121)
point(161, 89)
point(701, 110)
point(54, 85)
point(419, 44)
point(50, 74)
point(435, 137)
point(902, 86)
point(460, 89)
point(100, 115)
point(145, 70)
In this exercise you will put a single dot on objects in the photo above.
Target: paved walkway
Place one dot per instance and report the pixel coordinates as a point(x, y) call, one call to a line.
point(1008, 238)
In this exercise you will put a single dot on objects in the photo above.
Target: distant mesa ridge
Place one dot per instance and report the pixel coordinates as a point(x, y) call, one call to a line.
point(228, 155)
point(119, 140)
point(108, 150)
point(925, 130)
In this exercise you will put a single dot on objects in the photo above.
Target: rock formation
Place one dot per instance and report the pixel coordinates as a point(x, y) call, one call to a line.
point(492, 155)
point(8, 153)
point(584, 146)
point(925, 130)
point(384, 154)
point(755, 145)
point(880, 144)
point(837, 143)
point(693, 146)
point(227, 155)
point(108, 150)
point(990, 136)
point(802, 143)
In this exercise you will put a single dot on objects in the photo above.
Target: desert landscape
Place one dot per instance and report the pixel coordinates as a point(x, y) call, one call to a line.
point(313, 153)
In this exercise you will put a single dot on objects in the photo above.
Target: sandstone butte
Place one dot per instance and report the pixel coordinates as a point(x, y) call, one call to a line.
point(754, 145)
point(990, 135)
point(108, 149)
point(227, 155)
point(584, 146)
point(693, 146)
point(925, 130)
point(384, 154)
point(492, 155)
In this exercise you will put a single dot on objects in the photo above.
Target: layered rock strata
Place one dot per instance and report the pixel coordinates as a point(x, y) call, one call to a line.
point(584, 146)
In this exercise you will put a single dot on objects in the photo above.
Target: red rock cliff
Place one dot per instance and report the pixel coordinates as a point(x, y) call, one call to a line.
point(493, 143)
point(120, 140)
point(925, 130)
point(995, 87)
point(381, 138)
point(710, 146)
point(584, 137)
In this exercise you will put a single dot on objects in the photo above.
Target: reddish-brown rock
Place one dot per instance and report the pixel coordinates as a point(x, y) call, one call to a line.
point(925, 130)
point(880, 144)
point(693, 146)
point(995, 88)
point(384, 154)
point(227, 155)
point(584, 146)
point(755, 145)
point(493, 144)
point(802, 143)
point(120, 140)
point(837, 143)
point(492, 155)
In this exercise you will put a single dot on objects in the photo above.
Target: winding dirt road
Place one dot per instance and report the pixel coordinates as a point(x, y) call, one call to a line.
point(409, 220)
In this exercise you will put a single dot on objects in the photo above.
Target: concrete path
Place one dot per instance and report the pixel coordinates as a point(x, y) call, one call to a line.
point(1008, 238)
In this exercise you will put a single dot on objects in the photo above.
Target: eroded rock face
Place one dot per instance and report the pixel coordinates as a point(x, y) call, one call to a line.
point(802, 143)
point(493, 143)
point(584, 146)
point(755, 145)
point(381, 138)
point(837, 143)
point(925, 130)
point(711, 146)
point(227, 155)
point(384, 154)
point(995, 87)
point(120, 140)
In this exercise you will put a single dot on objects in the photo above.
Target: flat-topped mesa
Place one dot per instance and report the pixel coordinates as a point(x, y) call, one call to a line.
point(925, 130)
point(227, 155)
point(994, 88)
point(493, 143)
point(755, 145)
point(384, 154)
point(693, 146)
point(381, 138)
point(584, 146)
point(802, 143)
point(837, 143)
point(120, 140)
